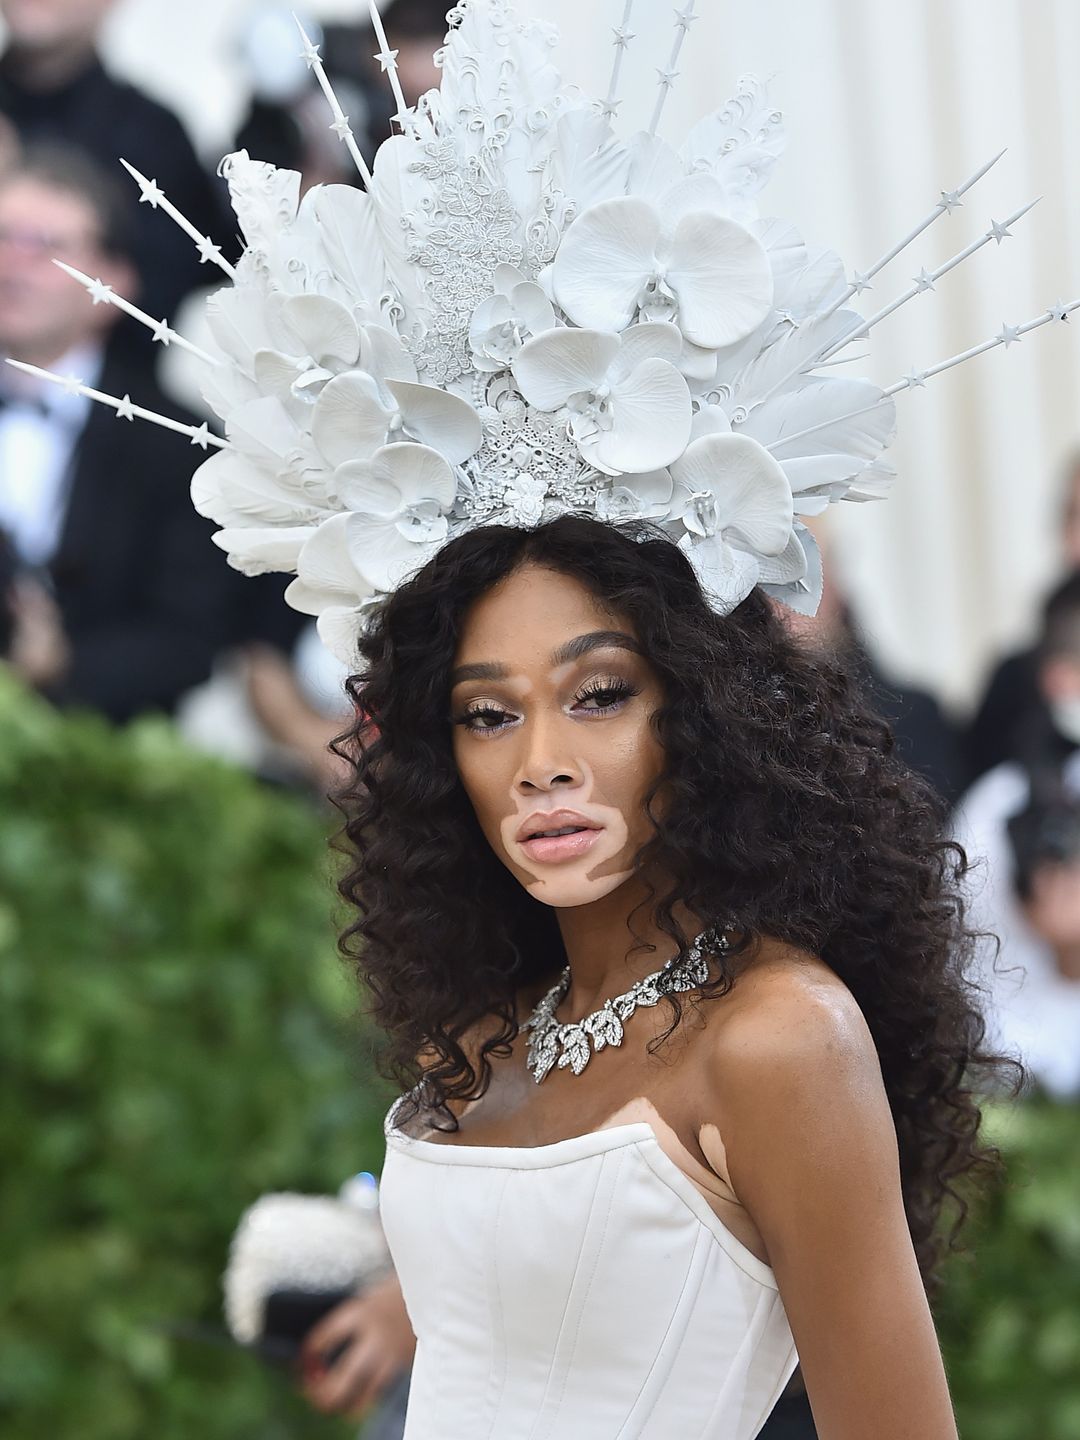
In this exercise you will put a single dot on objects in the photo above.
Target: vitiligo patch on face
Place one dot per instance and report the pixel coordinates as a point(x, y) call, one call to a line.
point(570, 880)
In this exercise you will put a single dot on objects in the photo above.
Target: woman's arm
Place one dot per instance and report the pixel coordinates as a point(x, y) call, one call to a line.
point(812, 1154)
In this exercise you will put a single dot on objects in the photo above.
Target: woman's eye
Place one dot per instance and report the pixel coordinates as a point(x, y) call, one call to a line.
point(484, 719)
point(604, 696)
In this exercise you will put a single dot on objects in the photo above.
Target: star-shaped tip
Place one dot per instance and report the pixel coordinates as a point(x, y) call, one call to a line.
point(162, 334)
point(915, 380)
point(998, 231)
point(950, 200)
point(1008, 335)
point(125, 410)
point(608, 109)
point(341, 128)
point(924, 280)
point(151, 192)
point(685, 18)
point(1059, 310)
point(208, 251)
point(72, 385)
point(387, 60)
point(860, 282)
point(668, 77)
point(201, 436)
point(623, 37)
point(310, 52)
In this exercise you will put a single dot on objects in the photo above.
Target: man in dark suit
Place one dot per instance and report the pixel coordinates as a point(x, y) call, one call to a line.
point(54, 88)
point(122, 600)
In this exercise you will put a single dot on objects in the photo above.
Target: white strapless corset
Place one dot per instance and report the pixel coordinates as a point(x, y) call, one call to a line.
point(577, 1291)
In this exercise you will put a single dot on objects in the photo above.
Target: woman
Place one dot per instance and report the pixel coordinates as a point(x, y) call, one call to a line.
point(579, 764)
point(667, 946)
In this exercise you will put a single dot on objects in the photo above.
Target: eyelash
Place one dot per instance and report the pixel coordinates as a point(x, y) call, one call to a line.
point(610, 693)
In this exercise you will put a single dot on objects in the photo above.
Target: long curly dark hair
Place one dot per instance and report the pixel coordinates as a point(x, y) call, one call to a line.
point(785, 814)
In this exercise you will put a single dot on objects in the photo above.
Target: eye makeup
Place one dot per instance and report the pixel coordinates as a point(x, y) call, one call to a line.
point(596, 697)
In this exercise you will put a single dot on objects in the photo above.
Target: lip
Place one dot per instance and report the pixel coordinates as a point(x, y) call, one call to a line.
point(554, 820)
point(552, 849)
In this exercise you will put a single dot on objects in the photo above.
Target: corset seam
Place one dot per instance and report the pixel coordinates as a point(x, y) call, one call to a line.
point(682, 1310)
point(498, 1358)
point(551, 1401)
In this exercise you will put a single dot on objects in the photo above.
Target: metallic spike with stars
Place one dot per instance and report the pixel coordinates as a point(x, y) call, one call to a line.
point(340, 123)
point(668, 74)
point(161, 330)
point(152, 194)
point(623, 37)
point(911, 236)
point(198, 434)
point(387, 58)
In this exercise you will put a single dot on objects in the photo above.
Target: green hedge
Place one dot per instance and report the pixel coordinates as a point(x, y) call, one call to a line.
point(177, 1038)
point(1009, 1318)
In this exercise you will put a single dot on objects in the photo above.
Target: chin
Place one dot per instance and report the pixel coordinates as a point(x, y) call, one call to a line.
point(569, 892)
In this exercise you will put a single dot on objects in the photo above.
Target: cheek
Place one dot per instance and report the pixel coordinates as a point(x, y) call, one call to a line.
point(626, 770)
point(487, 779)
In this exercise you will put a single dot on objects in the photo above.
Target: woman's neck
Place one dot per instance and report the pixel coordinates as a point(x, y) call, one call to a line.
point(607, 944)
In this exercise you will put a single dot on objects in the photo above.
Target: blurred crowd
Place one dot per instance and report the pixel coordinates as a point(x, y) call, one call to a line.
point(114, 598)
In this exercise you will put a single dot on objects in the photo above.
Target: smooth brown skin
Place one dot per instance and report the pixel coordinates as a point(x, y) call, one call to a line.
point(770, 1099)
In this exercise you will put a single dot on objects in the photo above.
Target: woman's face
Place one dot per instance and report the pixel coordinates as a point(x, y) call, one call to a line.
point(551, 701)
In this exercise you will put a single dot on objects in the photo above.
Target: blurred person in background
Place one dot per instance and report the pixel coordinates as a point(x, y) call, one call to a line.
point(121, 601)
point(925, 739)
point(1021, 820)
point(54, 87)
point(1013, 701)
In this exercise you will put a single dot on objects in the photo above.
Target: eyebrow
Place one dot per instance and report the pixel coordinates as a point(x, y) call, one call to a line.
point(572, 650)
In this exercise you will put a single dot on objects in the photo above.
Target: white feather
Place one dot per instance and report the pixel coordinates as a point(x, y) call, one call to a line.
point(587, 161)
point(825, 416)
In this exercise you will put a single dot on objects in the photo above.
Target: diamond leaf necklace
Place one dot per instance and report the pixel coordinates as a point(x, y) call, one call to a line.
point(553, 1044)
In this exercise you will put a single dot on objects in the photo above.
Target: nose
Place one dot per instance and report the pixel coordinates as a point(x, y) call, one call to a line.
point(545, 764)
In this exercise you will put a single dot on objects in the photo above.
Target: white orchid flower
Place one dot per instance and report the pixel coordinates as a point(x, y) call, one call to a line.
point(630, 407)
point(314, 337)
point(637, 497)
point(694, 266)
point(326, 574)
point(516, 312)
point(735, 505)
point(355, 415)
point(398, 501)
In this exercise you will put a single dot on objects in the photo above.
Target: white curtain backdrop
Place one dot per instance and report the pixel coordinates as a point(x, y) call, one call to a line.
point(887, 103)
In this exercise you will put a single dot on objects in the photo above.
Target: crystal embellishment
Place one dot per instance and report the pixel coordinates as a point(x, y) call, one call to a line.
point(571, 1046)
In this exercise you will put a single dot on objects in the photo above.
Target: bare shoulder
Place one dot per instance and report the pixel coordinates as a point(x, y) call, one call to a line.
point(788, 1011)
point(791, 1055)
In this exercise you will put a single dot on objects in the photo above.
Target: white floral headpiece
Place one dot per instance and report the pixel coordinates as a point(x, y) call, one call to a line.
point(521, 315)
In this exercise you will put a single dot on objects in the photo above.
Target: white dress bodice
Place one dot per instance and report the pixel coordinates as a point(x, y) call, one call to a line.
point(577, 1291)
